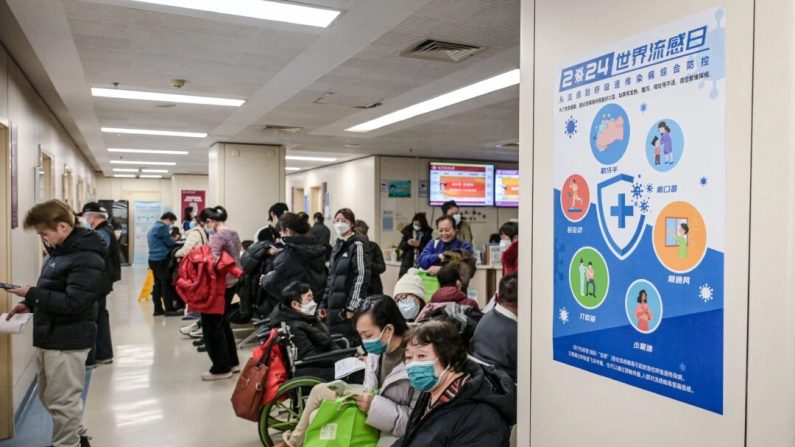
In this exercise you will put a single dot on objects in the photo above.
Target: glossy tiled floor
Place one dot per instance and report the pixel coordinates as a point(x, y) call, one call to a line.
point(152, 394)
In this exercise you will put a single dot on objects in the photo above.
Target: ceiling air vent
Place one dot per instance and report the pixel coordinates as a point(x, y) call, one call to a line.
point(290, 130)
point(437, 50)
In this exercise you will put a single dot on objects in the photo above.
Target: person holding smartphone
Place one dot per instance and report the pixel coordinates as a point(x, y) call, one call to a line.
point(64, 306)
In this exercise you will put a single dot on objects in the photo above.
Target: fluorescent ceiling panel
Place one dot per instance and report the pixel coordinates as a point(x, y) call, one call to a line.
point(144, 163)
point(302, 158)
point(289, 168)
point(148, 151)
point(162, 133)
point(155, 171)
point(164, 97)
point(150, 176)
point(481, 88)
point(258, 9)
point(125, 170)
point(124, 176)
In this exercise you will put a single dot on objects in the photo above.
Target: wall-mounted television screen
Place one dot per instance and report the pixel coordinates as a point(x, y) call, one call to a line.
point(506, 188)
point(467, 184)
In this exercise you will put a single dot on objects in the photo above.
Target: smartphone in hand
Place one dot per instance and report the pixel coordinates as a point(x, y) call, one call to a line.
point(4, 285)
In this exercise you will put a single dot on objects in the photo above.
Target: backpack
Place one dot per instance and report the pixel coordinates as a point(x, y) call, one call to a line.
point(254, 256)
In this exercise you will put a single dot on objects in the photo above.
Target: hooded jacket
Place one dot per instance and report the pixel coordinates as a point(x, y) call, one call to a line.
point(202, 280)
point(348, 281)
point(482, 413)
point(64, 301)
point(310, 336)
point(453, 295)
point(301, 259)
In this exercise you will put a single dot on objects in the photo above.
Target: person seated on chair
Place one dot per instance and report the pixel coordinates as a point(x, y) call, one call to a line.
point(450, 289)
point(298, 311)
point(495, 340)
point(388, 397)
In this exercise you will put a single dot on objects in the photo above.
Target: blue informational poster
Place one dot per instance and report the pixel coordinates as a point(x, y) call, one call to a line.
point(639, 210)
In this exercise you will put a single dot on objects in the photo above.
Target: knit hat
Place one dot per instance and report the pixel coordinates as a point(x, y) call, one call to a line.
point(411, 283)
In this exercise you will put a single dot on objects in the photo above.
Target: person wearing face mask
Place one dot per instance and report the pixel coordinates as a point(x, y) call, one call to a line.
point(298, 310)
point(160, 244)
point(431, 257)
point(509, 246)
point(64, 304)
point(348, 278)
point(195, 237)
point(409, 295)
point(450, 208)
point(301, 258)
point(388, 397)
point(463, 403)
point(415, 237)
point(270, 232)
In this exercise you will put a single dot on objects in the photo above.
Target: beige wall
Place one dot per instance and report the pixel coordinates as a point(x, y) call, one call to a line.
point(561, 406)
point(246, 179)
point(21, 105)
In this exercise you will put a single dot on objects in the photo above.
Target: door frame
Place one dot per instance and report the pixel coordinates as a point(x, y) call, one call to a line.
point(6, 358)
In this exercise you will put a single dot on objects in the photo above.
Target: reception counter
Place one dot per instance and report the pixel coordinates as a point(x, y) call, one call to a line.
point(484, 283)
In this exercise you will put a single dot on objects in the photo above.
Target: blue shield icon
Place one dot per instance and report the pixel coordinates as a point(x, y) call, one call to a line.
point(621, 222)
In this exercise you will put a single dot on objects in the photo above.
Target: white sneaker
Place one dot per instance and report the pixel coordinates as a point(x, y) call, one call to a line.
point(197, 333)
point(209, 377)
point(186, 330)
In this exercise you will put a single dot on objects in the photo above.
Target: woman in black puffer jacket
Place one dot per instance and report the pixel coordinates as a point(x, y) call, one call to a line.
point(348, 279)
point(300, 258)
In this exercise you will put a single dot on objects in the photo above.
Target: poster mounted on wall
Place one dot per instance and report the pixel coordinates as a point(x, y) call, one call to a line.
point(194, 198)
point(639, 210)
point(399, 188)
point(145, 214)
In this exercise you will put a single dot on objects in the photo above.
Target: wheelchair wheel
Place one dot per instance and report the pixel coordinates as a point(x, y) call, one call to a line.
point(283, 415)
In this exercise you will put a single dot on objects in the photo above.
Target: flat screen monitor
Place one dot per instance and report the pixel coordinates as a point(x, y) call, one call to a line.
point(506, 188)
point(467, 184)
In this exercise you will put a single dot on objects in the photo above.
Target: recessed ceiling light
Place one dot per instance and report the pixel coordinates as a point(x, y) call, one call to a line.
point(149, 151)
point(162, 133)
point(165, 97)
point(302, 158)
point(258, 9)
point(143, 163)
point(155, 171)
point(123, 176)
point(150, 176)
point(498, 82)
point(289, 168)
point(125, 169)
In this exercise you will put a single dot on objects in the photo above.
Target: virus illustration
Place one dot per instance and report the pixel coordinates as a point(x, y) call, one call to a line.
point(649, 188)
point(644, 107)
point(571, 127)
point(563, 315)
point(644, 206)
point(637, 190)
point(703, 181)
point(706, 293)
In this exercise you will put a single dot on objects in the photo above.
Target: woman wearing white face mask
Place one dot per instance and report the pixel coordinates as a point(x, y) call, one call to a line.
point(462, 403)
point(348, 278)
point(415, 237)
point(297, 309)
point(409, 295)
point(509, 246)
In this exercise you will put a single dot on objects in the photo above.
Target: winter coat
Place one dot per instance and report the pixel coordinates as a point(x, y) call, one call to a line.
point(453, 295)
point(310, 336)
point(390, 408)
point(301, 259)
point(202, 280)
point(348, 281)
point(510, 259)
point(495, 340)
point(411, 254)
point(430, 254)
point(377, 267)
point(322, 236)
point(112, 271)
point(481, 414)
point(160, 241)
point(195, 237)
point(64, 301)
point(267, 233)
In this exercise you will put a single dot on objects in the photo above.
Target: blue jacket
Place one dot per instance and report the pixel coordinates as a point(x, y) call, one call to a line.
point(430, 254)
point(160, 241)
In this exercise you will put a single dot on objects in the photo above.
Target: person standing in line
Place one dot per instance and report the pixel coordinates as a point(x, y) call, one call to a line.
point(322, 233)
point(218, 335)
point(64, 306)
point(450, 208)
point(189, 221)
point(270, 232)
point(160, 245)
point(96, 217)
point(195, 237)
point(415, 237)
point(348, 279)
point(377, 263)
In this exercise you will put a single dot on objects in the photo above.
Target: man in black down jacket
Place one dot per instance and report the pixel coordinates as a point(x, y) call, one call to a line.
point(96, 216)
point(64, 306)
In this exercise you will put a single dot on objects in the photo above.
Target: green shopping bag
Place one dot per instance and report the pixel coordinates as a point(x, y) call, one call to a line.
point(431, 284)
point(340, 423)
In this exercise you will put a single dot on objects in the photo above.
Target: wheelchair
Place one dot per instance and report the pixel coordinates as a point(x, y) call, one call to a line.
point(284, 412)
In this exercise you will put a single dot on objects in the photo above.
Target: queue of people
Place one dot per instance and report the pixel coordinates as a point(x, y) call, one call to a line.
point(433, 362)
